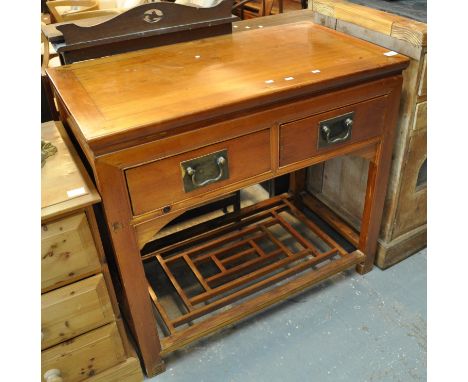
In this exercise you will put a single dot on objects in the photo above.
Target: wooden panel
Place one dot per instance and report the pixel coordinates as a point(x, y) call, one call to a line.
point(299, 139)
point(72, 310)
point(128, 371)
point(248, 156)
point(155, 95)
point(412, 202)
point(386, 23)
point(86, 355)
point(420, 119)
point(422, 91)
point(67, 251)
point(65, 185)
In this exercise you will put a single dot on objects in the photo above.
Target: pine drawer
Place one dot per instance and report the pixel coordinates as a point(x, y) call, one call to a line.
point(87, 355)
point(74, 309)
point(68, 251)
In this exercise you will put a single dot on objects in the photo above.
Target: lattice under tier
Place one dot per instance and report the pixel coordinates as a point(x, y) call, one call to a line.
point(211, 280)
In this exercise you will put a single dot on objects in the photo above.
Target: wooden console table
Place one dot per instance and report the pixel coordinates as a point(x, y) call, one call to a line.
point(170, 128)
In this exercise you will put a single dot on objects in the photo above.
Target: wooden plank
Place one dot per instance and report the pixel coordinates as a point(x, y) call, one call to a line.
point(420, 119)
point(220, 278)
point(259, 303)
point(379, 38)
point(331, 218)
point(320, 233)
point(422, 90)
point(197, 274)
point(389, 24)
point(161, 310)
point(175, 284)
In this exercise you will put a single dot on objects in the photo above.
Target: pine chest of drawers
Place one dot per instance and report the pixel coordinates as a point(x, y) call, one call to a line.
point(170, 128)
point(83, 337)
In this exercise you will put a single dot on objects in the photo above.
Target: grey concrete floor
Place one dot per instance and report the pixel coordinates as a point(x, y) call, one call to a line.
point(350, 328)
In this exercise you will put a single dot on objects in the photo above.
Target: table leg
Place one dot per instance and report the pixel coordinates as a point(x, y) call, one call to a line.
point(377, 181)
point(137, 305)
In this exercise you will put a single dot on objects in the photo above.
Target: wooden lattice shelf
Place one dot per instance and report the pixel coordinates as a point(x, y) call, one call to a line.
point(216, 278)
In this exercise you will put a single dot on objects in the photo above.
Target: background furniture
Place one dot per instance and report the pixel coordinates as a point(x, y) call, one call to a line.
point(68, 10)
point(83, 336)
point(341, 183)
point(177, 139)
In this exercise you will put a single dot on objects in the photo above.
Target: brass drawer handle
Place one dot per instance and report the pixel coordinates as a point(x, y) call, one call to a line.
point(205, 170)
point(335, 130)
point(193, 173)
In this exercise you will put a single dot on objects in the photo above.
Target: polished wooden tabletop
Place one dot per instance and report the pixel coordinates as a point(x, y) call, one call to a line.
point(152, 91)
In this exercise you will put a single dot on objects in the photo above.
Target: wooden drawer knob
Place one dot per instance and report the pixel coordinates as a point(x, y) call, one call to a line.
point(53, 375)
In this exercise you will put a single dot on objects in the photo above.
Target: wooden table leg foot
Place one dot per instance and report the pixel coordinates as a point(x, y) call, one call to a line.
point(156, 369)
point(363, 268)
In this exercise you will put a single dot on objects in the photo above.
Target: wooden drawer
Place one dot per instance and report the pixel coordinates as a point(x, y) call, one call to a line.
point(74, 309)
point(67, 251)
point(86, 355)
point(128, 371)
point(300, 140)
point(161, 183)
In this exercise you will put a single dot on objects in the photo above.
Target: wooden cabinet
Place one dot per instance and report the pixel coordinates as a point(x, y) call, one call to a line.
point(269, 101)
point(341, 183)
point(82, 335)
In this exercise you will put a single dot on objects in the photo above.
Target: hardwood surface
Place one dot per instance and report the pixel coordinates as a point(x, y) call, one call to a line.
point(108, 107)
point(248, 156)
point(132, 114)
point(299, 139)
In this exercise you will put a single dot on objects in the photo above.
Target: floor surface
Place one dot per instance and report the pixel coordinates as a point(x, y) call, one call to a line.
point(350, 328)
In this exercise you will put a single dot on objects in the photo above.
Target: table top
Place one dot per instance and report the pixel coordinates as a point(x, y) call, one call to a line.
point(151, 92)
point(65, 186)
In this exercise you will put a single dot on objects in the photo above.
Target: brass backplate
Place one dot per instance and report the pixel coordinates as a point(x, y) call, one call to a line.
point(206, 167)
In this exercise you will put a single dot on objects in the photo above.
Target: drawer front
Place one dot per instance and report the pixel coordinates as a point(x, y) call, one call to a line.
point(161, 183)
point(302, 139)
point(86, 355)
point(67, 251)
point(74, 309)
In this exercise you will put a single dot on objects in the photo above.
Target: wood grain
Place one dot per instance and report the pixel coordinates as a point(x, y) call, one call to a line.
point(67, 251)
point(247, 156)
point(127, 104)
point(128, 371)
point(299, 139)
point(389, 24)
point(86, 355)
point(65, 186)
point(72, 310)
